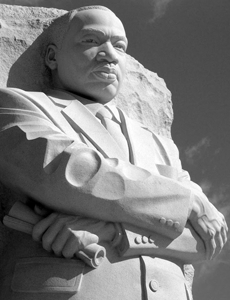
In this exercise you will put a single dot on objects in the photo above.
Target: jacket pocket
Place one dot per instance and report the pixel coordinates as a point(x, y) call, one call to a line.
point(47, 275)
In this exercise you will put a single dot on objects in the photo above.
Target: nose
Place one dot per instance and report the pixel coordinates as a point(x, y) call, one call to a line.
point(108, 53)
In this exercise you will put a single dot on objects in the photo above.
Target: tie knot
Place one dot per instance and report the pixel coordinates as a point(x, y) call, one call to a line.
point(104, 113)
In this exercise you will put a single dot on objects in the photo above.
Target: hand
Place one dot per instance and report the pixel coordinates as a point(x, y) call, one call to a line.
point(41, 210)
point(66, 235)
point(210, 224)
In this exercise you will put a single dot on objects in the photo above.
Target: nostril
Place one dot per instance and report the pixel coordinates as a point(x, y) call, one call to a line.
point(102, 53)
point(108, 54)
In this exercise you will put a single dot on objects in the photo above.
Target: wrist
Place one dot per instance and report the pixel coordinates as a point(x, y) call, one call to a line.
point(191, 204)
point(117, 236)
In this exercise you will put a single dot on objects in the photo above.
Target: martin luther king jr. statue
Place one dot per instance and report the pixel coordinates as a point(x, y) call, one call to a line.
point(94, 176)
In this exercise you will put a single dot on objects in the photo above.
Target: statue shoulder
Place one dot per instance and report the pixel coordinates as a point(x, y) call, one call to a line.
point(10, 97)
point(18, 97)
point(13, 92)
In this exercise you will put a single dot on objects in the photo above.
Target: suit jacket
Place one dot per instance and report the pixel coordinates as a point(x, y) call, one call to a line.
point(43, 142)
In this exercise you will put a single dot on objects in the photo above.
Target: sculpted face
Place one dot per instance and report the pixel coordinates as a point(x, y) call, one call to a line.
point(91, 61)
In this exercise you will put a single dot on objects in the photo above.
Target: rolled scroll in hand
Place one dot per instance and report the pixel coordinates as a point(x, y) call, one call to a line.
point(22, 218)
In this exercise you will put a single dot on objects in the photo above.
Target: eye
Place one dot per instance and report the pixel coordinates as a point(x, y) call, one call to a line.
point(89, 41)
point(121, 46)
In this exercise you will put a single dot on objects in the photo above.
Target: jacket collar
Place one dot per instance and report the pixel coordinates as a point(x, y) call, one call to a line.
point(62, 99)
point(79, 112)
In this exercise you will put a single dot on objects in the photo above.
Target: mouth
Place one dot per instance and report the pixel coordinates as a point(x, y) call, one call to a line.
point(106, 73)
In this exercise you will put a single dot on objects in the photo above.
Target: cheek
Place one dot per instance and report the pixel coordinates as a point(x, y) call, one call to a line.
point(122, 69)
point(86, 58)
point(82, 62)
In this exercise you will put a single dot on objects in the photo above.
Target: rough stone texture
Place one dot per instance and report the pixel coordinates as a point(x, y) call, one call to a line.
point(144, 95)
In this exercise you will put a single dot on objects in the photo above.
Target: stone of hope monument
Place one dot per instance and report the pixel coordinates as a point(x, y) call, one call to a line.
point(94, 201)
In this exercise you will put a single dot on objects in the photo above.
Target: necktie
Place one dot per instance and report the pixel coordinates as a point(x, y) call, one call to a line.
point(114, 129)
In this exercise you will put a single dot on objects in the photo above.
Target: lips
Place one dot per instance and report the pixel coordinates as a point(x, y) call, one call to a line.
point(106, 73)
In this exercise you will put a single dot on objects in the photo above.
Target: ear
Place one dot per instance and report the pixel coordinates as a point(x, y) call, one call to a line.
point(50, 57)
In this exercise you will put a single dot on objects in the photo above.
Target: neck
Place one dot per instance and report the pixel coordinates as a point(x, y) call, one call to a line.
point(93, 106)
point(82, 99)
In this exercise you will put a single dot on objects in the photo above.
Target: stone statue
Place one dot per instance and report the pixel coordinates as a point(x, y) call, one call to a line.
point(92, 176)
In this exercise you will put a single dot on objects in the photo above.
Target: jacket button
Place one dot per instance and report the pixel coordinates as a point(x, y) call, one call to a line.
point(162, 221)
point(170, 223)
point(154, 285)
point(145, 239)
point(151, 240)
point(137, 240)
point(176, 225)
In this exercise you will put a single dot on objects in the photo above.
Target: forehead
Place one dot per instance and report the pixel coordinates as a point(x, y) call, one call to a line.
point(96, 19)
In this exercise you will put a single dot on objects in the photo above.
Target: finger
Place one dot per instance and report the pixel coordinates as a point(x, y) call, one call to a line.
point(224, 235)
point(41, 210)
point(60, 241)
point(206, 235)
point(77, 241)
point(41, 227)
point(225, 225)
point(219, 245)
point(72, 246)
point(212, 247)
point(49, 236)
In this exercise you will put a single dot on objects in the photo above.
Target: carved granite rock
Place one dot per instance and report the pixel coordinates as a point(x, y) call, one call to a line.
point(144, 95)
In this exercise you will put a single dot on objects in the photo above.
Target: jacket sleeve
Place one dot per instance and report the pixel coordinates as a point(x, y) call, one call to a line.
point(188, 247)
point(39, 159)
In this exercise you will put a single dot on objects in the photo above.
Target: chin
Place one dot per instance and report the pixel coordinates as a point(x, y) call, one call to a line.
point(106, 95)
point(103, 99)
point(99, 93)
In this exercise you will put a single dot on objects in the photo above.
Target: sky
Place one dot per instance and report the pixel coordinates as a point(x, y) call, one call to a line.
point(186, 42)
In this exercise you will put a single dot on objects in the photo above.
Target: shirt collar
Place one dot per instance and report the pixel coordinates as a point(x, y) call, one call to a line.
point(64, 98)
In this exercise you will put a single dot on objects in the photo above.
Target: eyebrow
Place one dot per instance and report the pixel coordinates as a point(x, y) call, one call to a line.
point(94, 31)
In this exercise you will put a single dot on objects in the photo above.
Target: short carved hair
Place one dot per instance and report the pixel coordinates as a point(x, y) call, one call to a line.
point(59, 26)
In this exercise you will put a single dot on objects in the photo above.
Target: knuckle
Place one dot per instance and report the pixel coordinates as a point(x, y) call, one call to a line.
point(211, 233)
point(57, 253)
point(46, 243)
point(66, 227)
point(79, 239)
point(54, 217)
point(56, 249)
point(221, 245)
point(36, 234)
point(60, 223)
point(67, 254)
point(222, 216)
point(46, 247)
point(220, 241)
point(79, 235)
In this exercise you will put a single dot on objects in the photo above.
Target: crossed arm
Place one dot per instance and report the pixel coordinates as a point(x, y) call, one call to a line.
point(67, 176)
point(65, 235)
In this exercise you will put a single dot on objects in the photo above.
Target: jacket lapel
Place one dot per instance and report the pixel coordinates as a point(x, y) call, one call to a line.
point(149, 150)
point(82, 120)
point(50, 110)
point(125, 124)
point(140, 144)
